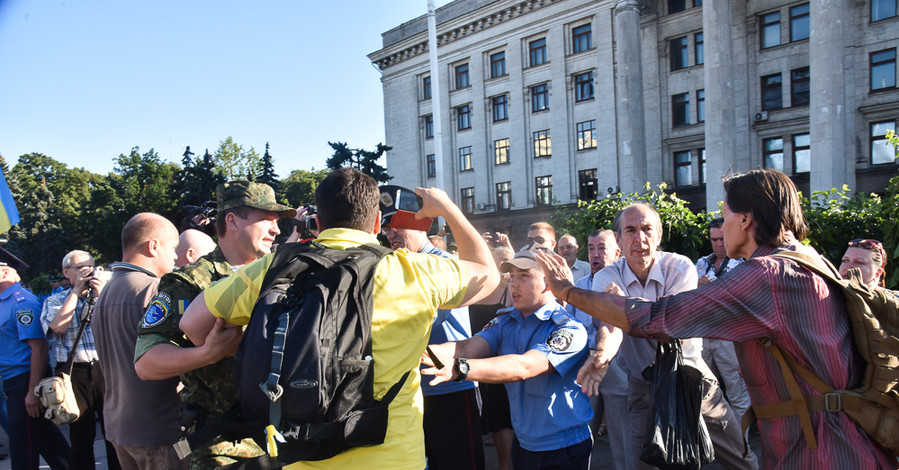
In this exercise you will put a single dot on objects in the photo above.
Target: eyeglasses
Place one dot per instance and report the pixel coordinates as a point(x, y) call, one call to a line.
point(538, 240)
point(79, 266)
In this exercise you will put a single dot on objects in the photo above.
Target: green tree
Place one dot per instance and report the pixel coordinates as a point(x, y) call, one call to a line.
point(38, 239)
point(235, 163)
point(299, 187)
point(267, 173)
point(365, 161)
point(196, 181)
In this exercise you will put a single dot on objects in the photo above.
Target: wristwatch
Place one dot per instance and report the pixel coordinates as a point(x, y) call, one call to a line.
point(461, 369)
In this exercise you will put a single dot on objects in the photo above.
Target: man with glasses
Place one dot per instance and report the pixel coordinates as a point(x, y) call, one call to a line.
point(542, 234)
point(61, 319)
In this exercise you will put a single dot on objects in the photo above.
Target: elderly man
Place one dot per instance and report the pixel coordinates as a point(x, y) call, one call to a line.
point(451, 414)
point(644, 271)
point(61, 319)
point(23, 363)
point(408, 287)
point(568, 249)
point(535, 349)
point(149, 244)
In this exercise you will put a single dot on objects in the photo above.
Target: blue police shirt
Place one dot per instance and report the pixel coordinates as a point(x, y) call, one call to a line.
point(449, 325)
point(549, 412)
point(20, 313)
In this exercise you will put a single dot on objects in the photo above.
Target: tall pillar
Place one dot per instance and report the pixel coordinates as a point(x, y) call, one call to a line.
point(720, 117)
point(831, 164)
point(629, 111)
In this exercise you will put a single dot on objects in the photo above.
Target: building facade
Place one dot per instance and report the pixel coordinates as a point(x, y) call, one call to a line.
point(545, 102)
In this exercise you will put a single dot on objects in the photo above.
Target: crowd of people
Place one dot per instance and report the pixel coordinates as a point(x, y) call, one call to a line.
point(522, 341)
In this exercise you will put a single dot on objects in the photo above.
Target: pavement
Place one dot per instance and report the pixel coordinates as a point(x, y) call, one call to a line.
point(602, 455)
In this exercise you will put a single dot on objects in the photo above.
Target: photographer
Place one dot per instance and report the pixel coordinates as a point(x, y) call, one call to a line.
point(61, 318)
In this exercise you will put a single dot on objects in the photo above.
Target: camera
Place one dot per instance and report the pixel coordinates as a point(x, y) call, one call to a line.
point(309, 219)
point(209, 210)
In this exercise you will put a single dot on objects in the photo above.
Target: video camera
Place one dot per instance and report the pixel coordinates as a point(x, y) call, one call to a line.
point(200, 217)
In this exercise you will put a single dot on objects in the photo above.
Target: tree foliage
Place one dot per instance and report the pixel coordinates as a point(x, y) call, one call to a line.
point(365, 161)
point(235, 163)
point(267, 173)
point(299, 187)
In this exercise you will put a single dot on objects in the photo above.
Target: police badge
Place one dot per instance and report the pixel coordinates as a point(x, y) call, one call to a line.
point(560, 340)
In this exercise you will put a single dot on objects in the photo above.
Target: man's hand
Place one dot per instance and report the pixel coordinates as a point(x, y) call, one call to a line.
point(558, 275)
point(590, 376)
point(613, 289)
point(434, 203)
point(703, 280)
point(222, 340)
point(33, 404)
point(444, 374)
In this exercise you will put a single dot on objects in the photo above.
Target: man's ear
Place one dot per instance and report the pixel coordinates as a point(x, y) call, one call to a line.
point(152, 247)
point(230, 221)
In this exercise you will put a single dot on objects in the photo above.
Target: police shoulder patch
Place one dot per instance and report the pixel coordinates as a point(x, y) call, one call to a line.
point(25, 316)
point(560, 340)
point(158, 310)
point(491, 324)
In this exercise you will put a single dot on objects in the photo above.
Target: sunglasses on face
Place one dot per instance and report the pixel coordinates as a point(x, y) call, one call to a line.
point(537, 240)
point(866, 243)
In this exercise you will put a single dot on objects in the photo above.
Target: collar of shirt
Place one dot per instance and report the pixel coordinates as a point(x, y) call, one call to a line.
point(130, 267)
point(543, 313)
point(655, 274)
point(343, 238)
point(9, 290)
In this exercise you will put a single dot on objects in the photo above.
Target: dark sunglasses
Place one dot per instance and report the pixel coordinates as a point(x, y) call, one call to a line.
point(538, 240)
point(866, 243)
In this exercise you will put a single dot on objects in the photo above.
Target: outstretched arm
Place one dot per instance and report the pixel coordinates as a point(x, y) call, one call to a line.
point(606, 307)
point(496, 370)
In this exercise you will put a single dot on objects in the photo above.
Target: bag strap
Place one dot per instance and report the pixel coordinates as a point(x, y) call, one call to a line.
point(87, 311)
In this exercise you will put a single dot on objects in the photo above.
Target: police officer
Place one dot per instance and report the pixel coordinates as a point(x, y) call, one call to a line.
point(23, 363)
point(246, 224)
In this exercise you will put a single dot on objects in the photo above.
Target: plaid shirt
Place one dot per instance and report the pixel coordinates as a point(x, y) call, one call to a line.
point(60, 345)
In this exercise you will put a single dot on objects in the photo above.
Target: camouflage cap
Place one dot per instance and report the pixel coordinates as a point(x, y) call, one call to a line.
point(247, 193)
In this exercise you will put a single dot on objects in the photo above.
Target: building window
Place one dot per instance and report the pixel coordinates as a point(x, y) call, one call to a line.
point(586, 180)
point(799, 22)
point(799, 85)
point(544, 190)
point(429, 126)
point(581, 38)
point(500, 108)
point(881, 150)
point(586, 135)
point(770, 36)
point(881, 9)
point(426, 88)
point(772, 95)
point(503, 195)
point(678, 48)
point(465, 158)
point(542, 144)
point(700, 105)
point(676, 6)
point(497, 65)
point(699, 48)
point(702, 166)
point(801, 153)
point(680, 109)
point(463, 117)
point(539, 97)
point(683, 171)
point(773, 153)
point(431, 165)
point(583, 86)
point(883, 69)
point(501, 151)
point(462, 76)
point(467, 200)
point(537, 52)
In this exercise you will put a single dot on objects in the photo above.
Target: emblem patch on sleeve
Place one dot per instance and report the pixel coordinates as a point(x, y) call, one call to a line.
point(25, 316)
point(157, 311)
point(491, 324)
point(560, 340)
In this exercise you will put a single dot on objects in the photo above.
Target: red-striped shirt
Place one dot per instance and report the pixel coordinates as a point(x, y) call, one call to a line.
point(768, 297)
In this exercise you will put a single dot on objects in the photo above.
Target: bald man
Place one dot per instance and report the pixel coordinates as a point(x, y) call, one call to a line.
point(568, 248)
point(148, 251)
point(192, 244)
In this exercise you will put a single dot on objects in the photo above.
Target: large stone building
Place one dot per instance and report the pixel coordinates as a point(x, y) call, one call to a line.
point(550, 101)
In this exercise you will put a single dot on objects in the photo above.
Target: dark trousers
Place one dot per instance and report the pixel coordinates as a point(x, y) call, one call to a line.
point(453, 431)
point(573, 457)
point(30, 437)
point(88, 385)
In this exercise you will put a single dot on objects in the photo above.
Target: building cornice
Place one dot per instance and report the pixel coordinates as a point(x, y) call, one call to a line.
point(384, 61)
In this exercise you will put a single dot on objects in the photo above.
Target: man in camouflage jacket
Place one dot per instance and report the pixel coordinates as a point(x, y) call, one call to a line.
point(246, 226)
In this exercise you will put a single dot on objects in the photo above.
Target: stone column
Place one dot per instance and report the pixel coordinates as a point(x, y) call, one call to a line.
point(831, 163)
point(720, 100)
point(629, 112)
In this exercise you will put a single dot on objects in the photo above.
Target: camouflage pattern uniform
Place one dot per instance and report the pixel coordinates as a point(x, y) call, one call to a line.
point(210, 388)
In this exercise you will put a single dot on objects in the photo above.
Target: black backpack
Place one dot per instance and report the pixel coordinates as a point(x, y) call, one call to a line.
point(304, 367)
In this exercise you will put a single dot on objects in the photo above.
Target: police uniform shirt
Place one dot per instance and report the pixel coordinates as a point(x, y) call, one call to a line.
point(19, 321)
point(549, 412)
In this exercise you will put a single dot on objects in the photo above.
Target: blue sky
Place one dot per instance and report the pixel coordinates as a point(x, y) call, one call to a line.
point(85, 81)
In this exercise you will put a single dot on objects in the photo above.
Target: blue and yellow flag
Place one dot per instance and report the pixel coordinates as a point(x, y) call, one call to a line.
point(9, 215)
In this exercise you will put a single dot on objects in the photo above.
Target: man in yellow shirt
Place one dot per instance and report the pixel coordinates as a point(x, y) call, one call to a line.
point(408, 287)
